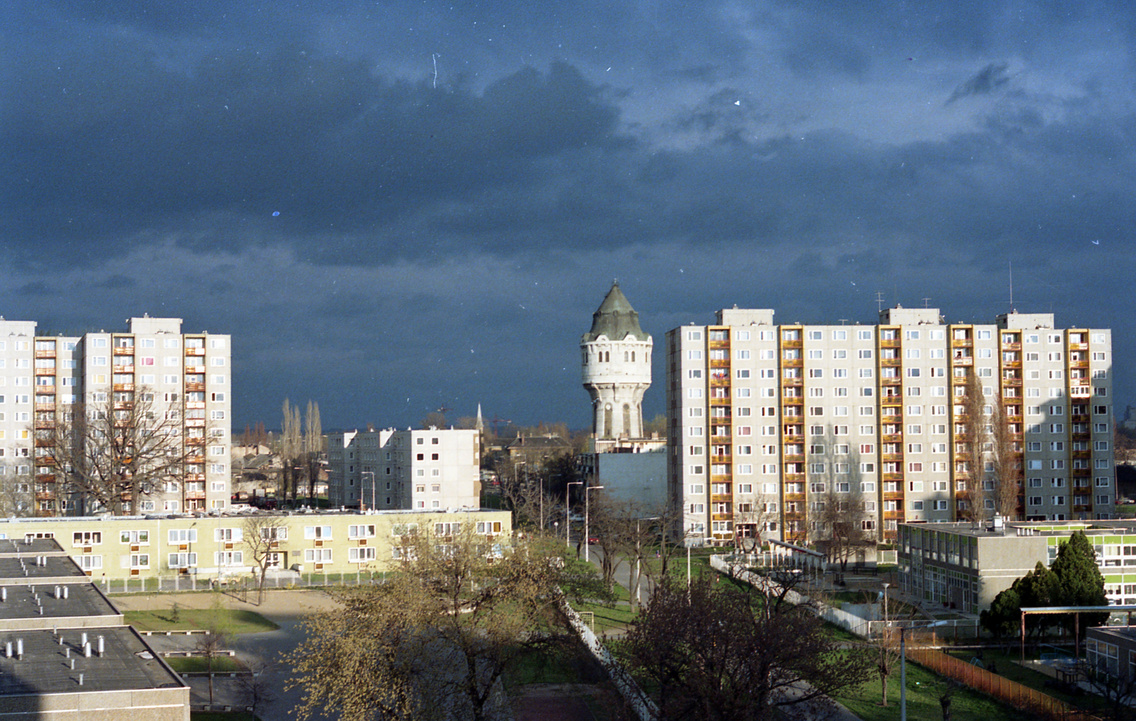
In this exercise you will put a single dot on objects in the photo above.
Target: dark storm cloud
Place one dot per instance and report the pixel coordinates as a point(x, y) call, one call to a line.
point(105, 148)
point(984, 82)
point(295, 176)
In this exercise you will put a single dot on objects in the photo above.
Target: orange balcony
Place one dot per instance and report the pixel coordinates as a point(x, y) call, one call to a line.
point(194, 351)
point(45, 372)
point(1016, 345)
point(124, 350)
point(45, 353)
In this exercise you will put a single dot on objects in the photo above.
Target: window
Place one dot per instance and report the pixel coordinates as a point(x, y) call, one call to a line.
point(228, 535)
point(361, 555)
point(232, 558)
point(361, 531)
point(139, 560)
point(317, 555)
point(317, 532)
point(89, 563)
point(134, 538)
point(87, 538)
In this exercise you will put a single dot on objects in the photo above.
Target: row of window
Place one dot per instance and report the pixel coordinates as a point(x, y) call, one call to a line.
point(841, 334)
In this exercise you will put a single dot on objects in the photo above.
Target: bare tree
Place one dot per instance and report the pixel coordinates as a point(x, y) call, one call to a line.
point(313, 448)
point(16, 490)
point(291, 448)
point(114, 449)
point(971, 456)
point(1007, 462)
point(437, 637)
point(257, 688)
point(263, 534)
point(211, 644)
point(713, 652)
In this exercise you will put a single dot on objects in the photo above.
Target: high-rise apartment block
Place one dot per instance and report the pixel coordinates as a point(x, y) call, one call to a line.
point(768, 424)
point(153, 375)
point(430, 469)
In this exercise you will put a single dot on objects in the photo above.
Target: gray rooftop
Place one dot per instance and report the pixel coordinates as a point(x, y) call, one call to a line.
point(45, 668)
point(31, 546)
point(1033, 528)
point(615, 318)
point(72, 604)
point(39, 569)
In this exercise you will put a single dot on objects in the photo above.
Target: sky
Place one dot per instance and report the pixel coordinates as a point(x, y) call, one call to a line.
point(403, 206)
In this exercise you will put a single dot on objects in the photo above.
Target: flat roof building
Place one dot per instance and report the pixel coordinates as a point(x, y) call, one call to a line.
point(65, 652)
point(966, 565)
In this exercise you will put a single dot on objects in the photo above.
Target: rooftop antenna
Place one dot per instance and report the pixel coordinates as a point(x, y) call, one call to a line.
point(926, 302)
point(1011, 263)
point(879, 301)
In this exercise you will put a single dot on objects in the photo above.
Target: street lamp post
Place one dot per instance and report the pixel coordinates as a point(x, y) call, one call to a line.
point(903, 667)
point(639, 558)
point(587, 544)
point(568, 511)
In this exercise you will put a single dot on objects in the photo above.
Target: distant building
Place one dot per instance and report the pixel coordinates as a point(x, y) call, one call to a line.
point(766, 420)
point(180, 377)
point(413, 469)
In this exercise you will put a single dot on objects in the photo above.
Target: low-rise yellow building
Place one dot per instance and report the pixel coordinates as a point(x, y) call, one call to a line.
point(205, 548)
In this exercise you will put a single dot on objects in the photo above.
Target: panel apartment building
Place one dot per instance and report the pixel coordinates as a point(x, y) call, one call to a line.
point(429, 469)
point(185, 377)
point(768, 423)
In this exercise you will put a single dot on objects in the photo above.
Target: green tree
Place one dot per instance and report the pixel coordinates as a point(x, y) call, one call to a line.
point(1078, 581)
point(1003, 618)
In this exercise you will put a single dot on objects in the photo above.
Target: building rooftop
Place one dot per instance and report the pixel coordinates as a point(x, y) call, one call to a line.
point(51, 605)
point(42, 569)
point(1033, 528)
point(615, 319)
point(126, 663)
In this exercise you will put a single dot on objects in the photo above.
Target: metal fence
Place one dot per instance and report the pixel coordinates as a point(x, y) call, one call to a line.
point(1010, 692)
point(237, 584)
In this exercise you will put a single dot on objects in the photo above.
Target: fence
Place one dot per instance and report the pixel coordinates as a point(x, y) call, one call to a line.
point(237, 584)
point(643, 706)
point(1011, 692)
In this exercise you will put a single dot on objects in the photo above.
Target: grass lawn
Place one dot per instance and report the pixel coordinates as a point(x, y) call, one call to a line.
point(923, 691)
point(231, 621)
point(608, 618)
point(199, 664)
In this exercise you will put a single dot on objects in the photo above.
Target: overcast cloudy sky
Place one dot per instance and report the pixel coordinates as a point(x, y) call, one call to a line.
point(398, 206)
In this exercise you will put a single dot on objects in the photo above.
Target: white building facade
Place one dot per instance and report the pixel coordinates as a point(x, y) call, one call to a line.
point(766, 421)
point(185, 377)
point(430, 469)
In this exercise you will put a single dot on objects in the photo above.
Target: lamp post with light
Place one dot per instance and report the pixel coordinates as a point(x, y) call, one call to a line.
point(639, 558)
point(568, 511)
point(587, 539)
